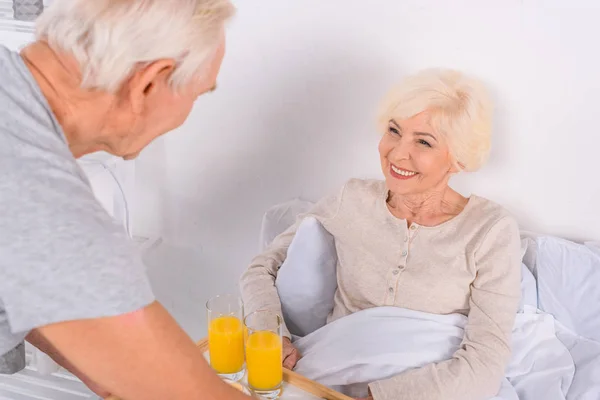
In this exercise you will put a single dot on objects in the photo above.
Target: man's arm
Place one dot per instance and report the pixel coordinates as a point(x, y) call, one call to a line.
point(36, 339)
point(142, 355)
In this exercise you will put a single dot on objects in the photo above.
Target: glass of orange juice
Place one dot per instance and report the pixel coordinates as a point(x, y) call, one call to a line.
point(264, 353)
point(226, 336)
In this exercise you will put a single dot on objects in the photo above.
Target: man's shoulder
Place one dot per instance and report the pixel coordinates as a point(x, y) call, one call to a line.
point(39, 171)
point(26, 120)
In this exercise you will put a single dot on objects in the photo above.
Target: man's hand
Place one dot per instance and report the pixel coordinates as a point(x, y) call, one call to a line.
point(291, 355)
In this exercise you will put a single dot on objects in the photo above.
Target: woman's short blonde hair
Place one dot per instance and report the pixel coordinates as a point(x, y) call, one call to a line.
point(461, 111)
point(110, 38)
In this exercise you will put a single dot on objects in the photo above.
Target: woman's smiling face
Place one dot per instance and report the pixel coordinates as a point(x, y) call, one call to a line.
point(414, 158)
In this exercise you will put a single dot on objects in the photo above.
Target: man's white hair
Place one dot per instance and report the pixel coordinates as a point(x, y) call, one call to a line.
point(460, 108)
point(111, 38)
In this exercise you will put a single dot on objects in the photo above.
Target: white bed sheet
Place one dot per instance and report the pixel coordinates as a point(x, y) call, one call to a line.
point(549, 362)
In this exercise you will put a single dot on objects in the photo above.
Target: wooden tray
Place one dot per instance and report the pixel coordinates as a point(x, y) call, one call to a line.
point(293, 379)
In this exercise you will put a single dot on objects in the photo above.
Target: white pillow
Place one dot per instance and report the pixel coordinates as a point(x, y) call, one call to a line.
point(568, 276)
point(529, 296)
point(307, 279)
point(280, 217)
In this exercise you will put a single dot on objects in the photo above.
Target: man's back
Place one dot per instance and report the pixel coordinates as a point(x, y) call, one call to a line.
point(61, 256)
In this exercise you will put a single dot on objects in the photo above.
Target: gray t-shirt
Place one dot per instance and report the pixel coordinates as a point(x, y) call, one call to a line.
point(62, 257)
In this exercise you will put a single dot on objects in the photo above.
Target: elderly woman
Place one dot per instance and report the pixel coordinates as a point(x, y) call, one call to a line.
point(411, 241)
point(102, 75)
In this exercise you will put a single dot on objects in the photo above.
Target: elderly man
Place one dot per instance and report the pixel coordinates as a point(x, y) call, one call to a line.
point(106, 75)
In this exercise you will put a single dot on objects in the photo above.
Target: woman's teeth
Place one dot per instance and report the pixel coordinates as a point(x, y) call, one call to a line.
point(403, 172)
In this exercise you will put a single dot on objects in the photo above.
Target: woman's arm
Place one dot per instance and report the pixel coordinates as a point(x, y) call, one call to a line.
point(477, 368)
point(258, 282)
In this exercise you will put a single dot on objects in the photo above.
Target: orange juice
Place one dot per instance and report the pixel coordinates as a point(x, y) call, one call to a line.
point(226, 345)
point(264, 360)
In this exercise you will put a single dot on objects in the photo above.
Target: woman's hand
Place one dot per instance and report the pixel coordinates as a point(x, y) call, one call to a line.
point(291, 355)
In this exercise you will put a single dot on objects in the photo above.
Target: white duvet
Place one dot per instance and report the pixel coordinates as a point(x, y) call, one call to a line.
point(549, 362)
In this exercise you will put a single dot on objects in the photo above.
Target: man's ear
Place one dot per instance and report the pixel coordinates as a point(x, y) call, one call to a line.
point(146, 80)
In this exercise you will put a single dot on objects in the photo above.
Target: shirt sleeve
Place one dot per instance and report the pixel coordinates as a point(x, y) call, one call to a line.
point(62, 256)
point(476, 370)
point(257, 284)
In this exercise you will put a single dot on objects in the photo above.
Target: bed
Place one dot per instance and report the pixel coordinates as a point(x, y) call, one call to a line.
point(556, 337)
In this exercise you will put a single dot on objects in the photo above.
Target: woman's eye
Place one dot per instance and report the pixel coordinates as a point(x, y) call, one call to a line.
point(424, 143)
point(394, 131)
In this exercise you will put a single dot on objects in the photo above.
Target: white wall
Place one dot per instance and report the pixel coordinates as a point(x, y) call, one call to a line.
point(15, 40)
point(293, 116)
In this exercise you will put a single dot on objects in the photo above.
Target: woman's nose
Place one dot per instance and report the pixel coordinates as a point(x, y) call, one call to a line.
point(401, 151)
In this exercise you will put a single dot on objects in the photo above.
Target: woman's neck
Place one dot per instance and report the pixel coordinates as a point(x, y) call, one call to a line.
point(428, 209)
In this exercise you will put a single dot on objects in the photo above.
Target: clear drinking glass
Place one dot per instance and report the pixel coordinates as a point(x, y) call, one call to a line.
point(264, 353)
point(226, 336)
